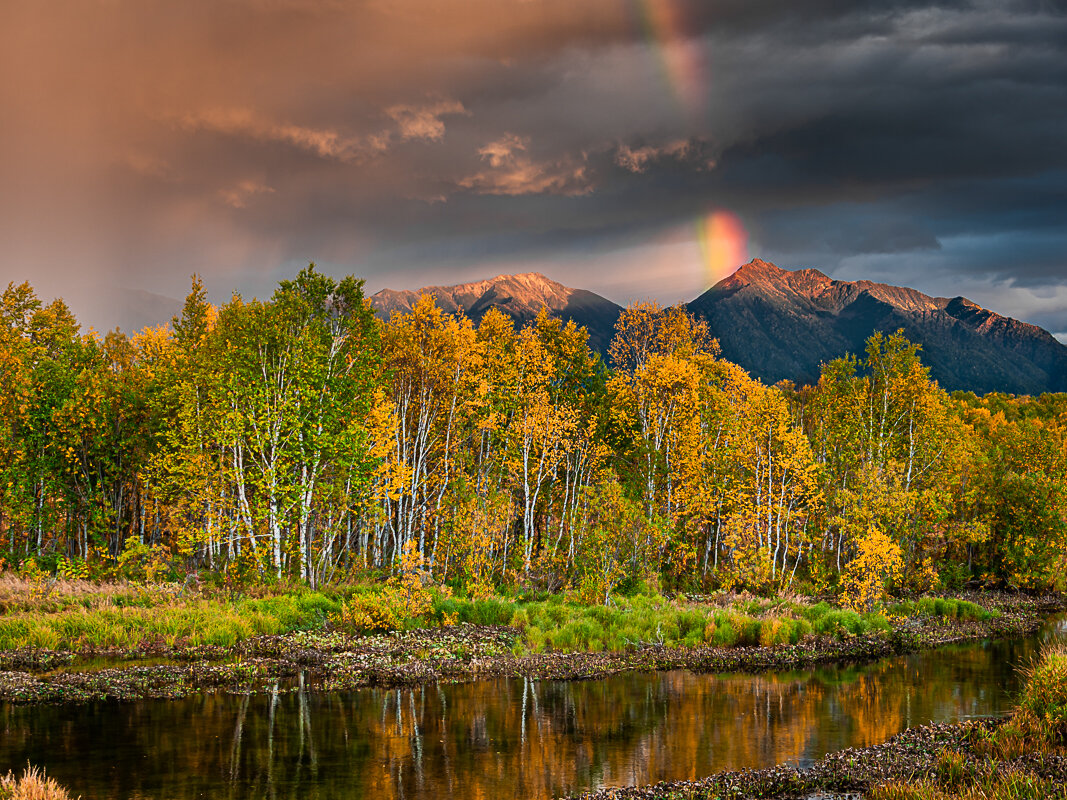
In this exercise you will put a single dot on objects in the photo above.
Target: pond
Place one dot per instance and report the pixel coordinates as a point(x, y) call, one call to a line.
point(504, 738)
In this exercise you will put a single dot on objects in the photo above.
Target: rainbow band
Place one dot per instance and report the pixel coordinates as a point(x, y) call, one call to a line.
point(723, 244)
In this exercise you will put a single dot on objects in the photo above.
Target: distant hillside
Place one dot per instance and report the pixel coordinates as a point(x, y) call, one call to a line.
point(783, 324)
point(518, 296)
point(780, 324)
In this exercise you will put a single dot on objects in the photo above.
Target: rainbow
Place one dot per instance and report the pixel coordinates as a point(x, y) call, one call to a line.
point(720, 234)
point(680, 60)
point(723, 244)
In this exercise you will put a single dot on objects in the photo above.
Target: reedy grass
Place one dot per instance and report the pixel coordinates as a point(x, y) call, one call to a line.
point(1037, 728)
point(643, 620)
point(945, 607)
point(24, 594)
point(1039, 724)
point(1013, 785)
point(33, 784)
point(959, 778)
point(196, 621)
point(78, 615)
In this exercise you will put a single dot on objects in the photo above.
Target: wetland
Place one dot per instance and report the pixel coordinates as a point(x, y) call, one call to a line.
point(533, 735)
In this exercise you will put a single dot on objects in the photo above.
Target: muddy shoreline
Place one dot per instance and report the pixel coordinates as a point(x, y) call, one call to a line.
point(335, 662)
point(907, 757)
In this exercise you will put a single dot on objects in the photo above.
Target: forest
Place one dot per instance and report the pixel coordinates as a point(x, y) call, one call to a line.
point(302, 439)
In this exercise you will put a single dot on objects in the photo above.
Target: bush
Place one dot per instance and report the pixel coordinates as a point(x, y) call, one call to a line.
point(405, 601)
point(1043, 706)
point(944, 608)
point(723, 635)
point(33, 784)
point(840, 623)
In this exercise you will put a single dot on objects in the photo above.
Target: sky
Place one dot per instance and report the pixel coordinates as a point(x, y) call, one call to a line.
point(638, 148)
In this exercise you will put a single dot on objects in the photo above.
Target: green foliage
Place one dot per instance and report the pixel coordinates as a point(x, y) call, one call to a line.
point(483, 611)
point(642, 621)
point(141, 562)
point(157, 618)
point(839, 623)
point(944, 607)
point(1043, 705)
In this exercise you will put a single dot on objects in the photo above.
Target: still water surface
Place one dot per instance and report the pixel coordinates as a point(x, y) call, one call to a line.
point(506, 738)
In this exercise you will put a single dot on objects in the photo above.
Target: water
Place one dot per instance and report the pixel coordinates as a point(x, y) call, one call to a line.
point(506, 738)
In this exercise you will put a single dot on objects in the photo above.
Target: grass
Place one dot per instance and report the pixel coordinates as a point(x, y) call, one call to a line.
point(31, 785)
point(946, 608)
point(1013, 785)
point(78, 615)
point(47, 596)
point(1039, 724)
point(556, 625)
point(195, 621)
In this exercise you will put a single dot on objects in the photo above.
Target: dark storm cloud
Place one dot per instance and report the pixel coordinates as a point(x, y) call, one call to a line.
point(422, 142)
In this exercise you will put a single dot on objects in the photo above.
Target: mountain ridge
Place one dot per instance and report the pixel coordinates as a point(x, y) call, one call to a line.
point(783, 324)
point(519, 296)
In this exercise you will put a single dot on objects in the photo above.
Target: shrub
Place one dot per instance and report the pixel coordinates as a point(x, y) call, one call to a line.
point(945, 608)
point(724, 635)
point(839, 623)
point(1043, 706)
point(405, 600)
point(33, 784)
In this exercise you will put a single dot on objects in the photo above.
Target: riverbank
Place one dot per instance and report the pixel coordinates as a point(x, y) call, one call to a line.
point(334, 661)
point(1020, 757)
point(927, 755)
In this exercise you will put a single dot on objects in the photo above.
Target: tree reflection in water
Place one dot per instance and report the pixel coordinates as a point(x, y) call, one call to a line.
point(495, 738)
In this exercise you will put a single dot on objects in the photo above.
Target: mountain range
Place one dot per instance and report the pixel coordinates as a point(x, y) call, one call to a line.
point(781, 324)
point(521, 297)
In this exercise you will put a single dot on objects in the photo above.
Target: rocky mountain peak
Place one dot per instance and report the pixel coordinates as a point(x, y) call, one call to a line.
point(519, 296)
point(783, 324)
point(755, 271)
point(780, 323)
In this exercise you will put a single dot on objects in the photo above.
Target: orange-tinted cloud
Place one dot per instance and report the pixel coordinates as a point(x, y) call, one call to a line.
point(240, 195)
point(637, 159)
point(424, 122)
point(513, 172)
point(323, 142)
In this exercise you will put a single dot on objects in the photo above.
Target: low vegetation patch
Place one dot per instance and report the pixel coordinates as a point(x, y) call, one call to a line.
point(134, 621)
point(1010, 785)
point(643, 621)
point(1009, 761)
point(556, 624)
point(82, 616)
point(947, 608)
point(33, 784)
point(1039, 724)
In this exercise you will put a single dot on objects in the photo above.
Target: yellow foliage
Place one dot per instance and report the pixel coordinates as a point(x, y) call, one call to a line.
point(748, 565)
point(473, 540)
point(73, 570)
point(405, 598)
point(30, 570)
point(878, 561)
